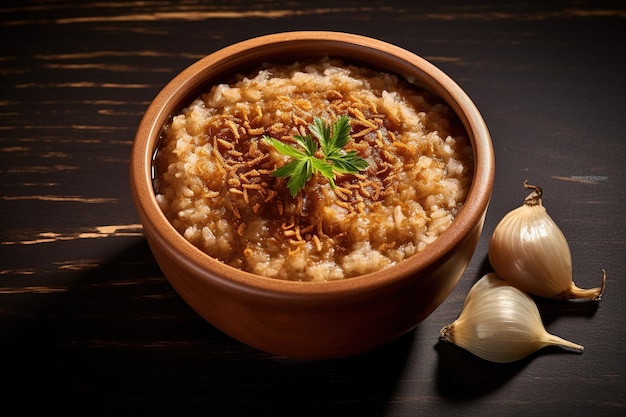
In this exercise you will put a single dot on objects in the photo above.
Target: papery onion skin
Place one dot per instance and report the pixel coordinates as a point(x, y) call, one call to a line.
point(530, 251)
point(500, 323)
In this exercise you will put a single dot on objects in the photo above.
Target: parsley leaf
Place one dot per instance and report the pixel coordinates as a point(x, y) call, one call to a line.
point(305, 163)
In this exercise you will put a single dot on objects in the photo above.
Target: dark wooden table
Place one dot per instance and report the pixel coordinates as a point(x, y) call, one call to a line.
point(88, 324)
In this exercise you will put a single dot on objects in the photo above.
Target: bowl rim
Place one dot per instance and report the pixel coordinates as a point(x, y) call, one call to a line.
point(194, 77)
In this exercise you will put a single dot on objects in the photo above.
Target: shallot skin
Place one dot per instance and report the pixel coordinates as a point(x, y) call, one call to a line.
point(500, 323)
point(529, 250)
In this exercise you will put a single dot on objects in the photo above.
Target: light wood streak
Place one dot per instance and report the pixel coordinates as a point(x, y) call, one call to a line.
point(101, 54)
point(129, 230)
point(200, 15)
point(32, 290)
point(84, 84)
point(41, 169)
point(191, 16)
point(59, 198)
point(106, 67)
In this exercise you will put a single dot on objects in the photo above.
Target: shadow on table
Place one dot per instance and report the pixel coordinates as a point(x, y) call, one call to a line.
point(121, 342)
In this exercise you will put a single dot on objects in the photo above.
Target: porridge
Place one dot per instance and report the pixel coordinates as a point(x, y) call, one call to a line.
point(214, 172)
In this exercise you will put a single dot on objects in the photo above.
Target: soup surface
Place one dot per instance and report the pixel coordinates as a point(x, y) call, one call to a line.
point(214, 182)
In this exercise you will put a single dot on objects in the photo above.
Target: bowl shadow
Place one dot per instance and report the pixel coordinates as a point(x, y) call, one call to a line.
point(120, 341)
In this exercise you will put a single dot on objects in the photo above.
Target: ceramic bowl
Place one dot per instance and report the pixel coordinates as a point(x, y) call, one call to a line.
point(314, 320)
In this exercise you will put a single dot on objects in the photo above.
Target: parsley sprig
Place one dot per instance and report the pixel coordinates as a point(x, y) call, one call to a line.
point(336, 160)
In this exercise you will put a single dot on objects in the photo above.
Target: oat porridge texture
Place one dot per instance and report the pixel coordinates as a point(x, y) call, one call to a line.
point(213, 172)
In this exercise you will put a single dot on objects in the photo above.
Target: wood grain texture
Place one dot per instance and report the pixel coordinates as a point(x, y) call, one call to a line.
point(88, 323)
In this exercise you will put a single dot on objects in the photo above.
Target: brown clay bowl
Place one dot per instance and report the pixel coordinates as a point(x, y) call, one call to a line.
point(314, 320)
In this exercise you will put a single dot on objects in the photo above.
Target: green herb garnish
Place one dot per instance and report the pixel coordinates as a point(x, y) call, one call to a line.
point(305, 163)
